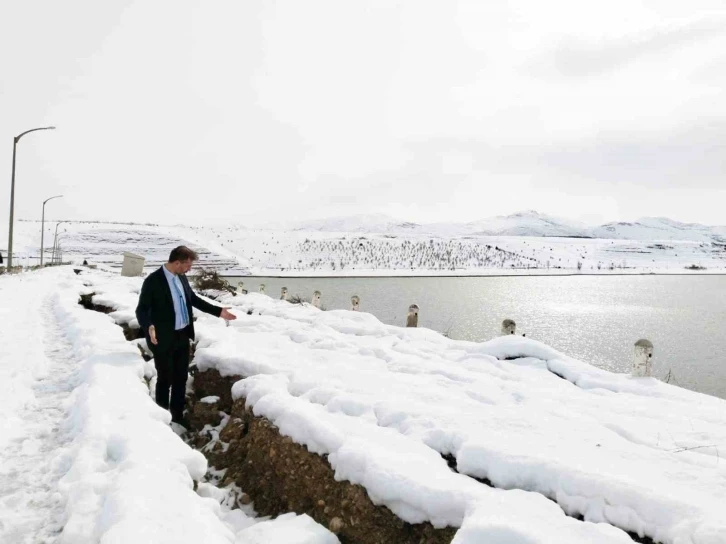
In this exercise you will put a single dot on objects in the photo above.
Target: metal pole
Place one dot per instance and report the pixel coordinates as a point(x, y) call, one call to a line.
point(42, 234)
point(12, 208)
point(55, 241)
point(16, 139)
point(55, 247)
point(42, 228)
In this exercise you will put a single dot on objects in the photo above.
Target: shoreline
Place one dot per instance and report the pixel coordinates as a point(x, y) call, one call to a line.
point(497, 275)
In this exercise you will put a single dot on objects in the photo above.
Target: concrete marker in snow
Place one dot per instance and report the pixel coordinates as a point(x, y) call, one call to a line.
point(412, 316)
point(643, 359)
point(508, 327)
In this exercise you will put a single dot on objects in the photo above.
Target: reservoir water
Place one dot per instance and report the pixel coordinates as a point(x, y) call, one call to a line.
point(596, 319)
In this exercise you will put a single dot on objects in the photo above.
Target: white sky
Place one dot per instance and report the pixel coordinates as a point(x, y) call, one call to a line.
point(190, 111)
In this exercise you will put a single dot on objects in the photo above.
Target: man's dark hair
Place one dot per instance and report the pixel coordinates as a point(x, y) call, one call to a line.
point(182, 253)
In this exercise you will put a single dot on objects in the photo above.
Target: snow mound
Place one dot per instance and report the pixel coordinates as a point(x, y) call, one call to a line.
point(390, 405)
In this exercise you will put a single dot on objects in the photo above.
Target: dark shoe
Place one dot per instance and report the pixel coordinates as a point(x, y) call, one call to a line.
point(184, 422)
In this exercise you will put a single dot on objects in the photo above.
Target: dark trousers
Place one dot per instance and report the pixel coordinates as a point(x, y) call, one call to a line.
point(172, 368)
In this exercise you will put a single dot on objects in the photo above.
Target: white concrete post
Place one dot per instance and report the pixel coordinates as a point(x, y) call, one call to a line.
point(412, 316)
point(133, 265)
point(355, 303)
point(283, 294)
point(262, 288)
point(508, 327)
point(240, 288)
point(643, 359)
point(316, 299)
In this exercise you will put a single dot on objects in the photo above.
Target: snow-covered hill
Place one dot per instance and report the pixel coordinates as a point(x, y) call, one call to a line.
point(525, 243)
point(529, 223)
point(525, 223)
point(357, 223)
point(105, 243)
point(660, 228)
point(304, 253)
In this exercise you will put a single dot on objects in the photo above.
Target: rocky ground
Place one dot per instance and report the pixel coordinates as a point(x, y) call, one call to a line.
point(281, 476)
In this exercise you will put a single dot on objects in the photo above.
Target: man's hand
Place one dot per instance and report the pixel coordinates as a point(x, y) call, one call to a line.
point(152, 334)
point(226, 315)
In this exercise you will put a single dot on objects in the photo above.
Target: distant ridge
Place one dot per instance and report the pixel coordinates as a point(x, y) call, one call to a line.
point(356, 223)
point(524, 223)
point(529, 223)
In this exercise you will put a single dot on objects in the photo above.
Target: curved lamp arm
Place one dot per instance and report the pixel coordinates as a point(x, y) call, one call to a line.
point(31, 130)
point(51, 198)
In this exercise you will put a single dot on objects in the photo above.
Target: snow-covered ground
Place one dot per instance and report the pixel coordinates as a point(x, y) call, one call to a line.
point(523, 244)
point(104, 243)
point(554, 435)
point(85, 454)
point(385, 403)
point(305, 253)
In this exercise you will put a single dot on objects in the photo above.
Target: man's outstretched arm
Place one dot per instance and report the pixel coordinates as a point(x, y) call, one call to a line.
point(217, 311)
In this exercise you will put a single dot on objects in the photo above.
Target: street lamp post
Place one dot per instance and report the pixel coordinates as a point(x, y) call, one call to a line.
point(55, 240)
point(16, 139)
point(42, 227)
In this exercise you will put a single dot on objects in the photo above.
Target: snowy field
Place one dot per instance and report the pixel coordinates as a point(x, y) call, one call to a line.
point(104, 244)
point(85, 454)
point(444, 251)
point(303, 253)
point(557, 438)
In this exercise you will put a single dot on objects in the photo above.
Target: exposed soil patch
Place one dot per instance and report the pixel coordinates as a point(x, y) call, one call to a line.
point(212, 383)
point(129, 333)
point(87, 302)
point(132, 334)
point(282, 476)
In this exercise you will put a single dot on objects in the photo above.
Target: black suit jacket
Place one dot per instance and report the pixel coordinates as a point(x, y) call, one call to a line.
point(156, 307)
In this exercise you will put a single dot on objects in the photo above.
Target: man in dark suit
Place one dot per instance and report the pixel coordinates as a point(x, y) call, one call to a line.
point(165, 314)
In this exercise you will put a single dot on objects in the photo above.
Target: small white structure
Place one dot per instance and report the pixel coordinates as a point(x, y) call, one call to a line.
point(508, 327)
point(412, 316)
point(240, 288)
point(283, 294)
point(317, 295)
point(262, 288)
point(133, 264)
point(355, 303)
point(643, 359)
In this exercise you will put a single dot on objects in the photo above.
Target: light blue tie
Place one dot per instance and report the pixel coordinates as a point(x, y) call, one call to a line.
point(182, 303)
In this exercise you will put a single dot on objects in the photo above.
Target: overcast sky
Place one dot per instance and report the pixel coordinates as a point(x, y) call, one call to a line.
point(190, 111)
